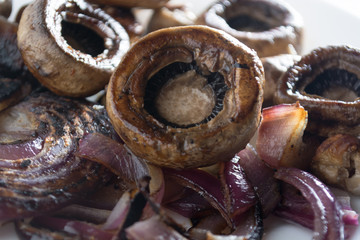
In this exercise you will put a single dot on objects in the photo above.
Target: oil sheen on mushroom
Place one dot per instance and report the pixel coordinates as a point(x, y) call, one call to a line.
point(327, 83)
point(186, 97)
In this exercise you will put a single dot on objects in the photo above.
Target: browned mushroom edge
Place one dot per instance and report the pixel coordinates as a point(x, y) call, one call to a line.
point(203, 53)
point(327, 83)
point(5, 8)
point(270, 27)
point(70, 47)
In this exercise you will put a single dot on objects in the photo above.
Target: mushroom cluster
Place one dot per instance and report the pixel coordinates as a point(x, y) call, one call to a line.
point(153, 119)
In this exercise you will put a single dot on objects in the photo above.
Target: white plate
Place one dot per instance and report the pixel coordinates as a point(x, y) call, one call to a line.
point(328, 22)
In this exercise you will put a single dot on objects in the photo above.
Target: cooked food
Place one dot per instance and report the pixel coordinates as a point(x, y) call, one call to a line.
point(270, 27)
point(5, 8)
point(39, 138)
point(84, 44)
point(186, 97)
point(326, 83)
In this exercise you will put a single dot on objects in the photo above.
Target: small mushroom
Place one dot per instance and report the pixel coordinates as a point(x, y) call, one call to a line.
point(337, 162)
point(275, 67)
point(171, 16)
point(326, 82)
point(270, 27)
point(5, 8)
point(71, 47)
point(186, 97)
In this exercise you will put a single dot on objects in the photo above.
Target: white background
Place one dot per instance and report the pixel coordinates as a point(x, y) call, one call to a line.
point(327, 22)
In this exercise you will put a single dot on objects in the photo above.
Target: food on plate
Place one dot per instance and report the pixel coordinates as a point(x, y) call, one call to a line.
point(84, 44)
point(171, 16)
point(187, 104)
point(5, 8)
point(337, 162)
point(186, 97)
point(132, 3)
point(270, 27)
point(274, 68)
point(326, 83)
point(39, 169)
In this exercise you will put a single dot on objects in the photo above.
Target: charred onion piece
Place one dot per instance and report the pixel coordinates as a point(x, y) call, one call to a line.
point(280, 136)
point(326, 83)
point(5, 8)
point(80, 45)
point(154, 95)
point(337, 162)
point(38, 141)
point(132, 3)
point(270, 27)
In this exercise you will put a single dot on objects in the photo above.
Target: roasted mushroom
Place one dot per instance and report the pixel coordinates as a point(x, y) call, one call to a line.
point(128, 20)
point(326, 83)
point(337, 162)
point(275, 67)
point(132, 3)
point(69, 46)
point(186, 96)
point(15, 81)
point(171, 16)
point(270, 27)
point(5, 8)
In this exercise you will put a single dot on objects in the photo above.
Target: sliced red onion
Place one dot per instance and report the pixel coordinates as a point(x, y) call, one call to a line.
point(261, 178)
point(152, 228)
point(50, 176)
point(205, 184)
point(119, 213)
point(239, 193)
point(279, 142)
point(114, 155)
point(327, 212)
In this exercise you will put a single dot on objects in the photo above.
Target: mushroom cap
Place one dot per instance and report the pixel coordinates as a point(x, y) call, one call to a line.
point(201, 144)
point(54, 62)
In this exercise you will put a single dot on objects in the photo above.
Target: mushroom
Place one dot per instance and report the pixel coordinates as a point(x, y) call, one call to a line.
point(186, 97)
point(5, 8)
point(337, 162)
point(132, 3)
point(275, 67)
point(270, 27)
point(71, 47)
point(171, 16)
point(15, 80)
point(326, 83)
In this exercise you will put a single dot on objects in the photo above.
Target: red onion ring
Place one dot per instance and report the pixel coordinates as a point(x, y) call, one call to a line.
point(327, 222)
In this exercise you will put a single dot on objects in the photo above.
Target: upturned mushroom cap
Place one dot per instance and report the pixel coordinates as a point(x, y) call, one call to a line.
point(55, 58)
point(208, 52)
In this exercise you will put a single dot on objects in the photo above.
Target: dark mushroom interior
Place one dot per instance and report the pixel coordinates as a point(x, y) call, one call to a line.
point(253, 17)
point(335, 84)
point(181, 105)
point(82, 38)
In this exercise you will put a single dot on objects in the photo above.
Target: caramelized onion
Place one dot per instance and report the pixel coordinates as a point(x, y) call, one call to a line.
point(271, 27)
point(83, 42)
point(326, 83)
point(279, 142)
point(212, 69)
point(40, 171)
